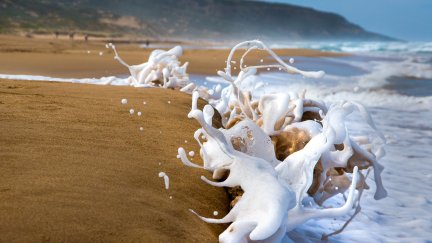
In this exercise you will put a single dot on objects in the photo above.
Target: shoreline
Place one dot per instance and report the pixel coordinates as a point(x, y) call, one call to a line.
point(70, 59)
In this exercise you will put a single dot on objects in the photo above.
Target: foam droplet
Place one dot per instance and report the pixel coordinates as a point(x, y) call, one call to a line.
point(291, 60)
point(191, 153)
point(215, 213)
point(124, 101)
point(131, 111)
point(166, 179)
point(139, 113)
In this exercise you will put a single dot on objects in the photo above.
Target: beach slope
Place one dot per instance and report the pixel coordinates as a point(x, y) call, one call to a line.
point(76, 167)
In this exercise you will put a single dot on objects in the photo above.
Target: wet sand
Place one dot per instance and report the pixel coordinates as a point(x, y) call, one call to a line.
point(70, 59)
point(75, 166)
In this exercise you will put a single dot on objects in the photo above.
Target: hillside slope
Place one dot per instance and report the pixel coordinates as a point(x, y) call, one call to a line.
point(183, 19)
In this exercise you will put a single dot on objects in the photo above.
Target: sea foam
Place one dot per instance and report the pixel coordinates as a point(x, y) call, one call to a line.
point(281, 148)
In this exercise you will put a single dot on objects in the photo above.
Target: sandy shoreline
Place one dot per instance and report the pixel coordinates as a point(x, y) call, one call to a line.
point(76, 167)
point(67, 59)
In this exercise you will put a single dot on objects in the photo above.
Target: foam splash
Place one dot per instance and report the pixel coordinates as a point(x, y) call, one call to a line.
point(166, 179)
point(162, 69)
point(280, 149)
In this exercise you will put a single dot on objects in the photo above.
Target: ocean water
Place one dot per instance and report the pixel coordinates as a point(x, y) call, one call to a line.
point(394, 82)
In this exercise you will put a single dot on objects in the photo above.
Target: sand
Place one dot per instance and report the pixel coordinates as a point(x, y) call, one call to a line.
point(70, 59)
point(75, 166)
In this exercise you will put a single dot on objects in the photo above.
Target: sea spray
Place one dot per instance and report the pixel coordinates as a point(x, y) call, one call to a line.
point(166, 179)
point(162, 69)
point(280, 148)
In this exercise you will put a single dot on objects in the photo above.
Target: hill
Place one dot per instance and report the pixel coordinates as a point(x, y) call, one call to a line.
point(218, 20)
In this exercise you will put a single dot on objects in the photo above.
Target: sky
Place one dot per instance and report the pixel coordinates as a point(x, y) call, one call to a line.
point(409, 20)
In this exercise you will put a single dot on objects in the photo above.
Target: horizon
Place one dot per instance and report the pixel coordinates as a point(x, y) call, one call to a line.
point(404, 20)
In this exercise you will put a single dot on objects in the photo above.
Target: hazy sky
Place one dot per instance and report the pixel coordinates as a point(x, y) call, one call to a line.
point(403, 19)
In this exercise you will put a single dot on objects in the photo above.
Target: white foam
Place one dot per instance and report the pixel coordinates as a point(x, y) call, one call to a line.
point(191, 153)
point(162, 69)
point(405, 215)
point(252, 165)
point(99, 81)
point(166, 179)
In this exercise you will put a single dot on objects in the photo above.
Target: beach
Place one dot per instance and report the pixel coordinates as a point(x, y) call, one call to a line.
point(79, 59)
point(76, 167)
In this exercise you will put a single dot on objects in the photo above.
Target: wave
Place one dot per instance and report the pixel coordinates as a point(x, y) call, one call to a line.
point(363, 47)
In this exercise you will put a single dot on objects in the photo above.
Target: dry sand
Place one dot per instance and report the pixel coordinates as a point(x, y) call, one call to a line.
point(75, 166)
point(69, 59)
